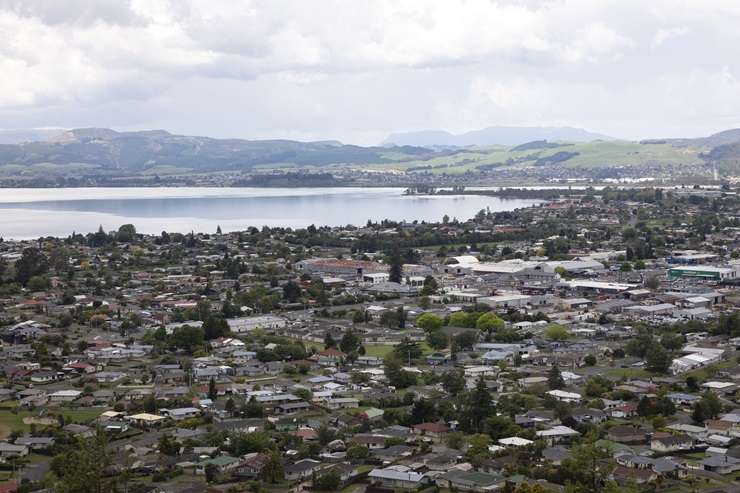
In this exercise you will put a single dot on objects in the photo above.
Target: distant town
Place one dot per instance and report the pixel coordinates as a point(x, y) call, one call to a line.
point(585, 344)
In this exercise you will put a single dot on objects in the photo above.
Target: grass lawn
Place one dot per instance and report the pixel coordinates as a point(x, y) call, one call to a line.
point(381, 350)
point(378, 350)
point(704, 374)
point(10, 422)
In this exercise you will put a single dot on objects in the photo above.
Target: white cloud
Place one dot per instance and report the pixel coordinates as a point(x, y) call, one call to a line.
point(357, 70)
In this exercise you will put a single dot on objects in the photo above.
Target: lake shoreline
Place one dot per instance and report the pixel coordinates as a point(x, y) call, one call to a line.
point(32, 213)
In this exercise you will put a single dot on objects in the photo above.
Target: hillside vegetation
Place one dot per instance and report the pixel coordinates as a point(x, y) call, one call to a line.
point(107, 152)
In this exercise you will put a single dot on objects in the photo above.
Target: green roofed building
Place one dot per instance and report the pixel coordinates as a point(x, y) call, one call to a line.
point(707, 272)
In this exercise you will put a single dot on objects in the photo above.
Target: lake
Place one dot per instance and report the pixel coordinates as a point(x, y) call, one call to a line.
point(31, 213)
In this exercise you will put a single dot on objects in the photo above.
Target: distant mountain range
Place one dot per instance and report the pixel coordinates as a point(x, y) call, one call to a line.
point(136, 151)
point(507, 136)
point(102, 151)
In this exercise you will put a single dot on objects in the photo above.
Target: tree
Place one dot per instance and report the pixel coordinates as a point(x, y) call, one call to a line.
point(81, 468)
point(460, 319)
point(230, 406)
point(401, 314)
point(253, 409)
point(408, 349)
point(150, 404)
point(214, 327)
point(187, 337)
point(438, 340)
point(597, 386)
point(477, 407)
point(394, 372)
point(429, 322)
point(32, 263)
point(658, 359)
point(329, 341)
point(430, 286)
point(708, 407)
point(168, 446)
point(291, 292)
point(453, 382)
point(490, 322)
point(556, 332)
point(126, 233)
point(390, 319)
point(357, 453)
point(273, 470)
point(395, 274)
point(584, 466)
point(328, 481)
point(212, 390)
point(423, 411)
point(466, 340)
point(350, 342)
point(554, 378)
point(478, 447)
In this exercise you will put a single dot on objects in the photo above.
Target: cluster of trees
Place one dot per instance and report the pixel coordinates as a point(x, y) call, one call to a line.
point(656, 352)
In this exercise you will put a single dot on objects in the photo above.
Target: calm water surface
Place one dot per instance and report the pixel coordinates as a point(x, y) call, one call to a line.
point(30, 213)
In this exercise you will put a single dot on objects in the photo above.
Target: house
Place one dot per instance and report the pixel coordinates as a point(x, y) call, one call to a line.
point(459, 480)
point(292, 407)
point(329, 357)
point(35, 443)
point(563, 396)
point(595, 416)
point(302, 469)
point(372, 442)
point(251, 466)
point(721, 464)
point(515, 442)
point(626, 434)
point(557, 434)
point(146, 420)
point(682, 399)
point(10, 451)
point(397, 477)
point(65, 395)
point(623, 411)
point(249, 324)
point(671, 443)
point(342, 403)
point(344, 470)
point(555, 455)
point(393, 453)
point(223, 463)
point(628, 475)
point(434, 430)
point(180, 413)
point(43, 376)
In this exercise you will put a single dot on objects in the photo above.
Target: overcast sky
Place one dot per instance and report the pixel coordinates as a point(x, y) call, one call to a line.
point(356, 70)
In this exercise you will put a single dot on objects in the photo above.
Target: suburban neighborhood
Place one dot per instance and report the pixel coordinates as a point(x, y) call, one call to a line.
point(586, 344)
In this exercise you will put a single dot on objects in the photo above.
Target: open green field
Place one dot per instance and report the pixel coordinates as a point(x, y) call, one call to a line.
point(10, 422)
point(589, 155)
point(382, 350)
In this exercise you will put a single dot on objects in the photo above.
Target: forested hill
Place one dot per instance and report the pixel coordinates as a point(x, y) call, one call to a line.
point(136, 151)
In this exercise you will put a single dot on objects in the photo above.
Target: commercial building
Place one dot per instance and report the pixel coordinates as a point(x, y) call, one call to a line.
point(708, 272)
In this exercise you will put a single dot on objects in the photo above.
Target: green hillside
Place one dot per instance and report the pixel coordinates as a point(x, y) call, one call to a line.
point(579, 155)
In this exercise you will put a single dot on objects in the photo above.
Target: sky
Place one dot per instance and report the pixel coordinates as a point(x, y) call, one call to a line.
point(358, 70)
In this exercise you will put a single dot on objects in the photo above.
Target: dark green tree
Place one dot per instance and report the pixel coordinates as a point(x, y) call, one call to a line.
point(395, 274)
point(554, 378)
